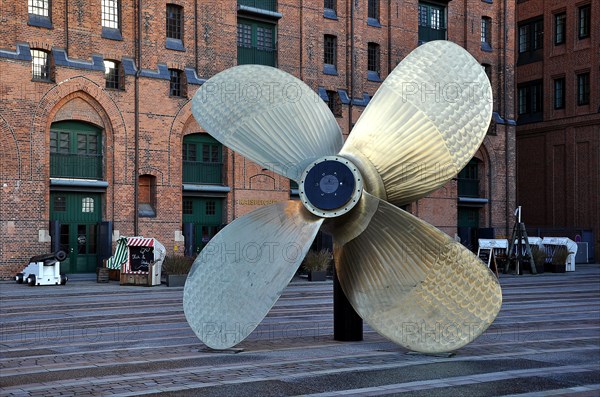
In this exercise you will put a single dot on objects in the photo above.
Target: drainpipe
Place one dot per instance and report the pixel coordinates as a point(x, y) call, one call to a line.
point(196, 35)
point(67, 26)
point(351, 84)
point(466, 30)
point(301, 39)
point(506, 126)
point(136, 115)
point(389, 40)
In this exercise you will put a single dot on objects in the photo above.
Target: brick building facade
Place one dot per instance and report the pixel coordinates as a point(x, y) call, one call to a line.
point(98, 139)
point(558, 106)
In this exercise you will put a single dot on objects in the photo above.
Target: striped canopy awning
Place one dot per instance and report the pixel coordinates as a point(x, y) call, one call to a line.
point(140, 242)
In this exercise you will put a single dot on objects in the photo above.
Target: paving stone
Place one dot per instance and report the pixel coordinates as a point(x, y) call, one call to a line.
point(95, 339)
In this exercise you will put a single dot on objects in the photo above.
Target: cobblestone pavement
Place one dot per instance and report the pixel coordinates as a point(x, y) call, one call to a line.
point(87, 338)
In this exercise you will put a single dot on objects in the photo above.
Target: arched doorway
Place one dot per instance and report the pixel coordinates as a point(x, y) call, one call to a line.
point(76, 204)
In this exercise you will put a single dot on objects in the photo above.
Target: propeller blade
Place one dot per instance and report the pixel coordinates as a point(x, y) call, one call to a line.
point(424, 123)
point(268, 116)
point(242, 271)
point(415, 285)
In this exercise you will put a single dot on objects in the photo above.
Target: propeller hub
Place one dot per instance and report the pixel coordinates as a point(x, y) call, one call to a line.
point(330, 186)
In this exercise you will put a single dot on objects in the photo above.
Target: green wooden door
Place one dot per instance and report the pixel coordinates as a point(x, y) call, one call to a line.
point(79, 215)
point(207, 216)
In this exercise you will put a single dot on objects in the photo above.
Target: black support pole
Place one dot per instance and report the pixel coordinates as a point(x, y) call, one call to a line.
point(347, 325)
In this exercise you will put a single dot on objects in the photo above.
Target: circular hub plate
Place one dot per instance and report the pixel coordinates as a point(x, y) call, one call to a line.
point(330, 186)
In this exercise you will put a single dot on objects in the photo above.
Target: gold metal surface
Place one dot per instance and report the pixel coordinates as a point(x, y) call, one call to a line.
point(408, 280)
point(268, 116)
point(242, 271)
point(415, 285)
point(424, 123)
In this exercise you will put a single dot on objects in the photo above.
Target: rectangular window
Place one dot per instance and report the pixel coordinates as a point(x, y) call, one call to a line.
point(537, 99)
point(560, 22)
point(530, 41)
point(112, 75)
point(530, 101)
point(585, 17)
point(211, 153)
point(176, 85)
point(87, 204)
point(373, 59)
point(189, 152)
point(330, 5)
point(373, 9)
point(537, 35)
point(211, 207)
point(486, 33)
point(244, 35)
point(174, 22)
point(559, 93)
point(330, 50)
point(87, 143)
point(264, 38)
point(583, 89)
point(187, 207)
point(531, 36)
point(523, 99)
point(59, 142)
point(60, 203)
point(40, 68)
point(110, 14)
point(215, 153)
point(39, 7)
point(523, 38)
point(432, 22)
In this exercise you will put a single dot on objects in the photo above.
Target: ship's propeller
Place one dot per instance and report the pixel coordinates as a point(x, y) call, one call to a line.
point(408, 280)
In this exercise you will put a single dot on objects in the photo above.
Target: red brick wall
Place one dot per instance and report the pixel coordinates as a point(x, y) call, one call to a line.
point(559, 157)
point(28, 108)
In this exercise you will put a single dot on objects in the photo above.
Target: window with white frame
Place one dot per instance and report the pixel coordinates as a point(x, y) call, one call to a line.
point(110, 14)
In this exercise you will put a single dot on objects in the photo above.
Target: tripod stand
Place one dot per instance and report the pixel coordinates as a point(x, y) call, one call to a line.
point(519, 237)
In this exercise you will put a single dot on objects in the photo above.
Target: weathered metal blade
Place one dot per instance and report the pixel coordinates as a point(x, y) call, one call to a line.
point(242, 271)
point(424, 123)
point(268, 116)
point(415, 285)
